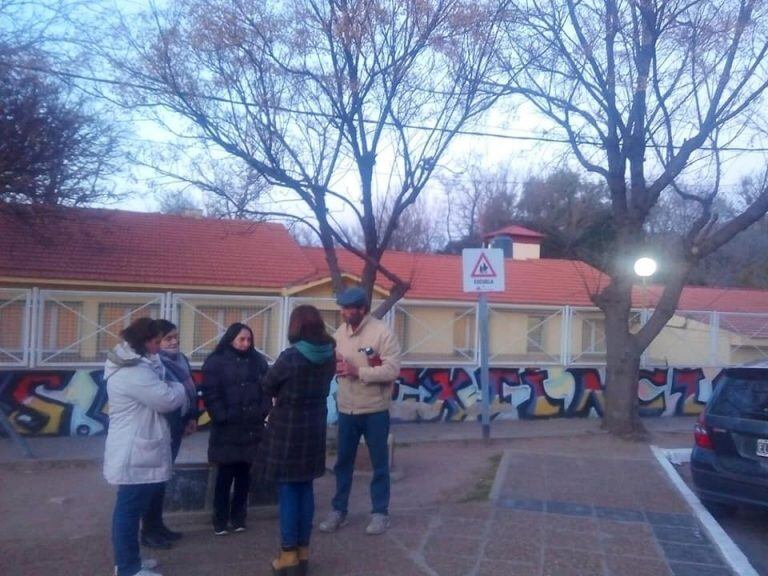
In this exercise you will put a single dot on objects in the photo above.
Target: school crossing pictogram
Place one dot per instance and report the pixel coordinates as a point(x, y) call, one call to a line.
point(483, 268)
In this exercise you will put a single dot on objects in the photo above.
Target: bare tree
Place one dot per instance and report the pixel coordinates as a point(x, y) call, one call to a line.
point(54, 148)
point(479, 199)
point(418, 227)
point(573, 212)
point(318, 95)
point(646, 91)
point(178, 202)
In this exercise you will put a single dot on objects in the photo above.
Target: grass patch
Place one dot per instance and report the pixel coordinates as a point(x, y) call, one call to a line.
point(481, 489)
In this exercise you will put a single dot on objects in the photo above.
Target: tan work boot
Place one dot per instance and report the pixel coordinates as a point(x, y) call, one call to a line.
point(286, 563)
point(303, 560)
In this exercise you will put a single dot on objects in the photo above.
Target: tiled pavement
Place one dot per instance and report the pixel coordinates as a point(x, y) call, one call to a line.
point(608, 511)
point(600, 516)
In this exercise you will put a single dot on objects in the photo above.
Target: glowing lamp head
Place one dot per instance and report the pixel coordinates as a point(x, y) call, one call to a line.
point(645, 267)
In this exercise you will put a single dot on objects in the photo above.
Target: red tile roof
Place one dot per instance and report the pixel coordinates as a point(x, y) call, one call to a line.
point(706, 298)
point(135, 248)
point(439, 277)
point(98, 245)
point(547, 281)
point(514, 230)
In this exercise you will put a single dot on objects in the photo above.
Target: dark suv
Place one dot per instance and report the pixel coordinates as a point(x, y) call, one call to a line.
point(729, 462)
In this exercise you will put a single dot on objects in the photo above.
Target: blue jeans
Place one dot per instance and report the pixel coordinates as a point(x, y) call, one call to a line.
point(374, 428)
point(131, 504)
point(297, 509)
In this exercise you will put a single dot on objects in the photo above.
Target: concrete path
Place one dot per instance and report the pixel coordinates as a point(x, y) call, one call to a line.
point(569, 501)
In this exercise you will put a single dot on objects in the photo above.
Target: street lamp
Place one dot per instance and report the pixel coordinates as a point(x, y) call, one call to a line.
point(645, 267)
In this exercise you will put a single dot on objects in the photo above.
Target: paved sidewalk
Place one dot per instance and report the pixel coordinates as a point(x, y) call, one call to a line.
point(194, 448)
point(598, 516)
point(569, 502)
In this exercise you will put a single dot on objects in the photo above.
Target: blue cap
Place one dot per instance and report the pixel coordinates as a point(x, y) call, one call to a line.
point(354, 296)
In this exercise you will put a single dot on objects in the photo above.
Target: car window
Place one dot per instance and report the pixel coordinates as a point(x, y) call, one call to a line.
point(741, 398)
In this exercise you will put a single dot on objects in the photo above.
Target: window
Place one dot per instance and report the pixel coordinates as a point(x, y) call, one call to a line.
point(464, 334)
point(741, 394)
point(593, 336)
point(61, 328)
point(12, 318)
point(536, 333)
point(115, 316)
point(212, 321)
point(435, 333)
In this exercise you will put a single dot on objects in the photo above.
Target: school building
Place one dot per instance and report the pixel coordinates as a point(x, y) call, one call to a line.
point(72, 278)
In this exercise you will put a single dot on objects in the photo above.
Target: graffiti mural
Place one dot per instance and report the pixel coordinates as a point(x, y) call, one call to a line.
point(74, 402)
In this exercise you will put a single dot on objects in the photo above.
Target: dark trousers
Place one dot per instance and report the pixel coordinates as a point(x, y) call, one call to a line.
point(131, 503)
point(152, 521)
point(239, 475)
point(375, 429)
point(297, 509)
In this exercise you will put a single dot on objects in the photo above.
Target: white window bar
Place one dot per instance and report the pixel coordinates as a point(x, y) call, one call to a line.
point(217, 312)
point(742, 339)
point(526, 335)
point(463, 352)
point(15, 312)
point(83, 347)
point(685, 341)
point(329, 310)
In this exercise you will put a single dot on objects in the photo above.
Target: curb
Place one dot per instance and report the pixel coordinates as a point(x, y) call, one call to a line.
point(730, 552)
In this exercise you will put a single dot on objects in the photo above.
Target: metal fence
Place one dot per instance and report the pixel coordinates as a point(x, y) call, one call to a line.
point(63, 328)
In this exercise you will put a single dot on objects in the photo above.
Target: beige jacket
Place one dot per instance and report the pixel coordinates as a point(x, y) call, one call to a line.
point(372, 391)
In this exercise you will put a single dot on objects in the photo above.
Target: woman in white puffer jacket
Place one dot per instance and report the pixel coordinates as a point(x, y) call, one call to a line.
point(137, 455)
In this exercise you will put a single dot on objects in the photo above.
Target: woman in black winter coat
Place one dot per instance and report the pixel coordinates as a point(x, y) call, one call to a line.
point(293, 450)
point(232, 392)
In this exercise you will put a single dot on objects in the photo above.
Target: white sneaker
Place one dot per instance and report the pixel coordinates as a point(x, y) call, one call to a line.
point(378, 525)
point(147, 565)
point(147, 572)
point(333, 522)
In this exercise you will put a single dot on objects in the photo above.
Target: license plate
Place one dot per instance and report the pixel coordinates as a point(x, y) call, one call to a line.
point(762, 447)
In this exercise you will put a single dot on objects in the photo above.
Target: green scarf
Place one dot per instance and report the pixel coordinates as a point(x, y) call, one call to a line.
point(315, 353)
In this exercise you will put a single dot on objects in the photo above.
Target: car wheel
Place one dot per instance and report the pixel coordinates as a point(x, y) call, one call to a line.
point(718, 509)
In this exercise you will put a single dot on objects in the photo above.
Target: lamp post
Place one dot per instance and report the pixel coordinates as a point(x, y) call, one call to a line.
point(645, 267)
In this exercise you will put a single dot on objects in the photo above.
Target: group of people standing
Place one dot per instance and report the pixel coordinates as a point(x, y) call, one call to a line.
point(267, 421)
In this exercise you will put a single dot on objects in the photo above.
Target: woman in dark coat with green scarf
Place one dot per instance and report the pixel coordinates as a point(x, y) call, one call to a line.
point(292, 451)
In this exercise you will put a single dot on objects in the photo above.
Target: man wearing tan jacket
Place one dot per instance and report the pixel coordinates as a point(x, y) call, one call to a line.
point(368, 362)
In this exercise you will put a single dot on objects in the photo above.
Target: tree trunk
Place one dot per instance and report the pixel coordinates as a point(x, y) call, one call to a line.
point(622, 364)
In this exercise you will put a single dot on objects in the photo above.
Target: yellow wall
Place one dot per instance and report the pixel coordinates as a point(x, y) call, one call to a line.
point(685, 341)
point(525, 251)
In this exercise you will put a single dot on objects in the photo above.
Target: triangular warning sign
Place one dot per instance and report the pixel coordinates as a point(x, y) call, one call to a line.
point(483, 268)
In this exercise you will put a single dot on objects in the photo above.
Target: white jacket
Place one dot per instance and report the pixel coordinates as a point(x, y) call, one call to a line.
point(138, 447)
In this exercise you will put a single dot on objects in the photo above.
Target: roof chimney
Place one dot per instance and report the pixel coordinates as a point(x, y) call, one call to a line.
point(517, 242)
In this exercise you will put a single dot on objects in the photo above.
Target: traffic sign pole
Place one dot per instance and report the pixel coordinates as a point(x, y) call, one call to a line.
point(485, 384)
point(482, 272)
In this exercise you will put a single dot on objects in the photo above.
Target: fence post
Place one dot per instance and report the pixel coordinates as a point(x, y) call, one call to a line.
point(565, 339)
point(714, 329)
point(34, 327)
